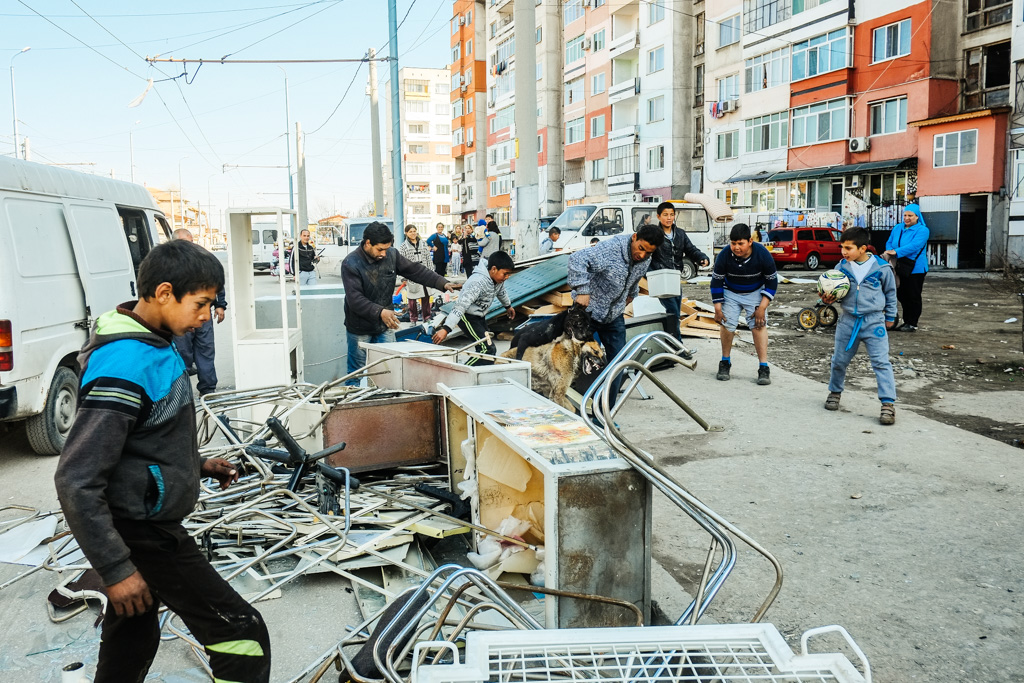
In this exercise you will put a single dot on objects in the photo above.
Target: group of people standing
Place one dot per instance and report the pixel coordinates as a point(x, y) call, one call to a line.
point(461, 249)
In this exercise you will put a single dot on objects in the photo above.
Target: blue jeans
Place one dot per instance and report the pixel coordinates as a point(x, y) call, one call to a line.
point(612, 336)
point(307, 277)
point(876, 341)
point(197, 347)
point(674, 305)
point(357, 356)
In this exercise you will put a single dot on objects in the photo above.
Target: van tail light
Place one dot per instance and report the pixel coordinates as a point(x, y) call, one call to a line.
point(6, 346)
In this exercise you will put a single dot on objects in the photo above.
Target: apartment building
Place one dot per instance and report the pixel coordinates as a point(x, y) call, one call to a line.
point(1015, 173)
point(426, 138)
point(857, 109)
point(468, 95)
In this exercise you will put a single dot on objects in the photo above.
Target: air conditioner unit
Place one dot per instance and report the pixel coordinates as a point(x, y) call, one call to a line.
point(730, 105)
point(463, 192)
point(853, 181)
point(469, 144)
point(465, 88)
point(490, 104)
point(462, 177)
point(637, 197)
point(588, 43)
point(462, 21)
point(462, 79)
point(860, 144)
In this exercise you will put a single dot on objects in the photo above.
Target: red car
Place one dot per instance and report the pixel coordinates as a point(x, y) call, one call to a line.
point(810, 247)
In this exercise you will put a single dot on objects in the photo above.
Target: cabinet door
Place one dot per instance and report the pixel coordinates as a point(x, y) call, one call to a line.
point(101, 251)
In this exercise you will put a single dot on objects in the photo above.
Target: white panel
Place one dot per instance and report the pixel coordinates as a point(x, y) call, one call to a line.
point(950, 202)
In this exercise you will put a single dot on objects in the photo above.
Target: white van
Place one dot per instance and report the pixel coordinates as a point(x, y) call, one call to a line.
point(264, 237)
point(70, 245)
point(582, 223)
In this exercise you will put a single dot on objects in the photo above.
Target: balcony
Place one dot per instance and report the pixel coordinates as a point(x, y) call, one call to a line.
point(624, 182)
point(574, 191)
point(624, 90)
point(623, 136)
point(624, 44)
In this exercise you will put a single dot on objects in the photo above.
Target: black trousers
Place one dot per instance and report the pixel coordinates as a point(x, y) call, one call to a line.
point(230, 629)
point(441, 268)
point(476, 327)
point(909, 295)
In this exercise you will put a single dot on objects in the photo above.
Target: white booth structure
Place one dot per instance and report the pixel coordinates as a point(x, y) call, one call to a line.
point(263, 356)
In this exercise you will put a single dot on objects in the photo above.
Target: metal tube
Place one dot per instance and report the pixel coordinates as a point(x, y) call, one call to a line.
point(398, 210)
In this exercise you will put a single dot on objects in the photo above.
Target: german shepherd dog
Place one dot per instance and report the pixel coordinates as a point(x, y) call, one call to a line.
point(556, 349)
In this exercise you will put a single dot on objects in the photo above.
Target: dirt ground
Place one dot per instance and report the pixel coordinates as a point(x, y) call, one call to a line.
point(953, 369)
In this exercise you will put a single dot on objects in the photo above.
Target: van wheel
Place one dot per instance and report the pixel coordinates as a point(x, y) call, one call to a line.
point(812, 262)
point(48, 431)
point(688, 270)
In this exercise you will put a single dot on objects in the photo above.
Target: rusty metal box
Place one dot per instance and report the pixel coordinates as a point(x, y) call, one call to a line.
point(391, 432)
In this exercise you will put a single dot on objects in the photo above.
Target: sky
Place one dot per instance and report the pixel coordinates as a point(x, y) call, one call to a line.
point(72, 100)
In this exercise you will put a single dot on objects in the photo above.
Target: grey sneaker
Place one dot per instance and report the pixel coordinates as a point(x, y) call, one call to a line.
point(832, 402)
point(888, 414)
point(764, 375)
point(723, 370)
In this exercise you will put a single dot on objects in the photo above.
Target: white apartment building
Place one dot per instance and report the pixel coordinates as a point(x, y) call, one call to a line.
point(426, 138)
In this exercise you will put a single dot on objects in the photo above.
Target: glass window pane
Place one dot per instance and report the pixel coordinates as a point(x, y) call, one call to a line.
point(968, 147)
point(839, 124)
point(903, 113)
point(799, 70)
point(952, 145)
point(824, 195)
point(876, 119)
point(904, 37)
point(878, 51)
point(891, 116)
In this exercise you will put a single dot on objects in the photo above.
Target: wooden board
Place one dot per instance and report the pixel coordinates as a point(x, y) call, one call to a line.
point(698, 332)
point(550, 309)
point(558, 298)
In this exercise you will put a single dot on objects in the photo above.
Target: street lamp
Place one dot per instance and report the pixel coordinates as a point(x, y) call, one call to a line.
point(14, 104)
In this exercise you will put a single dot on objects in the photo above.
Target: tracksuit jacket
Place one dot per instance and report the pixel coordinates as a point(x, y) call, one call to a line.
point(674, 249)
point(132, 452)
point(476, 298)
point(608, 273)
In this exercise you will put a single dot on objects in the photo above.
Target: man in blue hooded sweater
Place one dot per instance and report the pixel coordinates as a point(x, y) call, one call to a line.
point(909, 240)
point(869, 309)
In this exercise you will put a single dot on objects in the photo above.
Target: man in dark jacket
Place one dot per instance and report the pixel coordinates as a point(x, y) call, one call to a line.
point(368, 274)
point(676, 247)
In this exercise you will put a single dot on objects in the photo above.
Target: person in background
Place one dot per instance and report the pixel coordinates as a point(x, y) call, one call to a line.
point(473, 303)
point(368, 274)
point(594, 241)
point(414, 249)
point(744, 280)
point(307, 260)
point(547, 245)
point(470, 250)
point(676, 247)
point(196, 347)
point(438, 244)
point(908, 243)
point(456, 251)
point(491, 241)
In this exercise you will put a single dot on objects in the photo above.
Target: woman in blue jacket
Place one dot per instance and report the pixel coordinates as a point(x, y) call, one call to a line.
point(909, 240)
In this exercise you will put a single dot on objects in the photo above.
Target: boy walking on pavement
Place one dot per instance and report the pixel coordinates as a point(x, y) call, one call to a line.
point(744, 280)
point(480, 290)
point(869, 309)
point(676, 247)
point(130, 472)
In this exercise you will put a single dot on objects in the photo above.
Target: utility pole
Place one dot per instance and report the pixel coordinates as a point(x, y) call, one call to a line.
point(288, 145)
point(300, 167)
point(378, 180)
point(14, 104)
point(527, 206)
point(398, 215)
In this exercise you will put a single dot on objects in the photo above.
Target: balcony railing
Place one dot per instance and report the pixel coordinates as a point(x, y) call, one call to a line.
point(624, 90)
point(624, 43)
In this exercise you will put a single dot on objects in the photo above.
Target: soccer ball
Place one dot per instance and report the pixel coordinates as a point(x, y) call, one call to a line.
point(834, 282)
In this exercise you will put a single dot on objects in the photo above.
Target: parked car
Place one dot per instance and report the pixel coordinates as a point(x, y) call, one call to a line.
point(71, 245)
point(810, 247)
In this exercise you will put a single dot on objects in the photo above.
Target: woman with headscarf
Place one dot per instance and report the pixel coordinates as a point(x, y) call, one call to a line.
point(416, 250)
point(908, 244)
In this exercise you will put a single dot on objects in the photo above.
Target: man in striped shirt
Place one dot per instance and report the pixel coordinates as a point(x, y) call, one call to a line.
point(744, 280)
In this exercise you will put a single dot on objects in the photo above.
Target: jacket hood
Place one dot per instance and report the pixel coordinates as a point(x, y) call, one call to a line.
point(117, 325)
point(917, 211)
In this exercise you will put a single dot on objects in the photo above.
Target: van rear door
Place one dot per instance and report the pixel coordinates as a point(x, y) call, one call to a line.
point(101, 252)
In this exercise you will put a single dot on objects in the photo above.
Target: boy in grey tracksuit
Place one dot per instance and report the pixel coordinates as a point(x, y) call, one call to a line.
point(475, 299)
point(869, 309)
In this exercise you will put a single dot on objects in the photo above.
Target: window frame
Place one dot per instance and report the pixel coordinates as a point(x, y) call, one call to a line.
point(735, 32)
point(604, 83)
point(576, 46)
point(654, 55)
point(881, 105)
point(593, 122)
point(899, 25)
point(573, 125)
point(732, 139)
point(815, 111)
point(801, 52)
point(959, 147)
point(659, 150)
point(653, 106)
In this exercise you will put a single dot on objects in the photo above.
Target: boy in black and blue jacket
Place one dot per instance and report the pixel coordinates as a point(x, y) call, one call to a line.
point(869, 309)
point(130, 470)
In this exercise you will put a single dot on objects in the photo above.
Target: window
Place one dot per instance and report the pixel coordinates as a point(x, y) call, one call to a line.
point(888, 116)
point(599, 40)
point(501, 185)
point(698, 33)
point(698, 137)
point(729, 196)
point(1017, 181)
point(574, 50)
point(891, 41)
point(442, 189)
point(468, 76)
point(985, 13)
point(656, 109)
point(421, 87)
point(469, 17)
point(656, 60)
point(655, 12)
point(540, 70)
point(575, 130)
point(605, 222)
point(574, 91)
point(439, 109)
point(698, 85)
point(416, 148)
point(457, 108)
point(597, 84)
point(417, 128)
point(469, 106)
point(456, 81)
point(456, 52)
point(504, 51)
point(503, 118)
point(987, 76)
point(821, 54)
point(443, 208)
point(573, 10)
point(439, 89)
point(729, 31)
point(540, 144)
point(656, 158)
point(766, 71)
point(622, 160)
point(728, 145)
point(767, 132)
point(494, 28)
point(598, 3)
point(729, 88)
point(820, 122)
point(540, 34)
point(956, 149)
point(886, 189)
point(457, 136)
point(760, 14)
point(812, 194)
point(597, 169)
point(469, 47)
point(419, 169)
point(761, 200)
point(455, 24)
point(597, 126)
point(445, 149)
point(443, 169)
point(804, 5)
